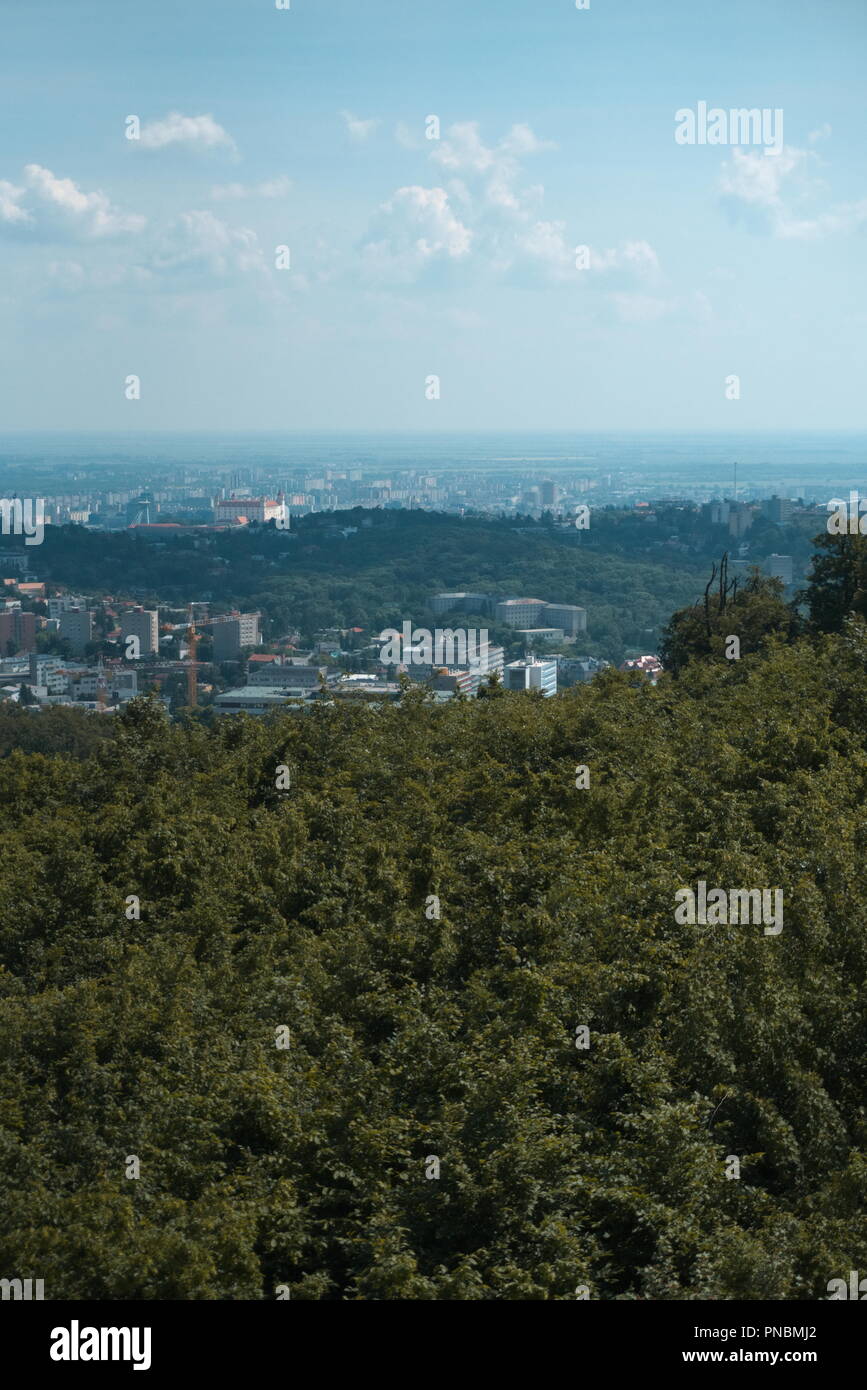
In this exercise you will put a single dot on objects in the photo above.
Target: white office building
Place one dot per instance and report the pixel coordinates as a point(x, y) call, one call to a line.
point(531, 675)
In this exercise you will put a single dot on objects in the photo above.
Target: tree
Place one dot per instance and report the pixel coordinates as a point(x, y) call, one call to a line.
point(837, 584)
point(753, 612)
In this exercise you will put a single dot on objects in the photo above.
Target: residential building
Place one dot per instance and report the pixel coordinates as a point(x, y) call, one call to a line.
point(233, 633)
point(143, 624)
point(63, 603)
point(780, 567)
point(778, 509)
point(46, 672)
point(76, 626)
point(17, 631)
point(740, 518)
point(649, 666)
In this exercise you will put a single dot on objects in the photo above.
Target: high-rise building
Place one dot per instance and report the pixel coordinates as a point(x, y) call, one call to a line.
point(142, 623)
point(17, 630)
point(233, 633)
point(531, 675)
point(76, 626)
point(740, 518)
point(548, 493)
point(780, 567)
point(778, 509)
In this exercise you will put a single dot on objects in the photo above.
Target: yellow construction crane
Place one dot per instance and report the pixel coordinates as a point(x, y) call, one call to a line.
point(192, 670)
point(192, 664)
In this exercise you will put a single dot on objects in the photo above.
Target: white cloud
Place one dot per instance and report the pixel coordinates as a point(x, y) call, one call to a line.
point(496, 166)
point(415, 228)
point(823, 133)
point(11, 210)
point(199, 242)
point(843, 217)
point(269, 188)
point(486, 217)
point(545, 252)
point(196, 132)
point(635, 256)
point(358, 129)
point(57, 209)
point(756, 179)
point(774, 194)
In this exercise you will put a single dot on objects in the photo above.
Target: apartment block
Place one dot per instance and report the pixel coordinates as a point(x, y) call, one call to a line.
point(63, 603)
point(46, 672)
point(143, 624)
point(778, 509)
point(17, 632)
point(76, 626)
point(780, 567)
point(233, 633)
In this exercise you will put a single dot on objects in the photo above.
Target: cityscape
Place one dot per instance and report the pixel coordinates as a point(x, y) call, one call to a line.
point(97, 651)
point(433, 679)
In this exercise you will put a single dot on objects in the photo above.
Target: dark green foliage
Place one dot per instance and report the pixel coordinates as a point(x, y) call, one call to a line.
point(387, 570)
point(54, 730)
point(838, 581)
point(413, 1035)
point(752, 611)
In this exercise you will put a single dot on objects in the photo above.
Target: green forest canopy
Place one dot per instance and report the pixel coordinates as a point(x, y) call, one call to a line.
point(413, 1035)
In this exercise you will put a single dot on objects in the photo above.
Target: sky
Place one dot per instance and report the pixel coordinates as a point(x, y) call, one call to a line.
point(432, 283)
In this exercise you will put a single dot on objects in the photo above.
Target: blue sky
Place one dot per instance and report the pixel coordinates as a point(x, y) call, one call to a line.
point(412, 257)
